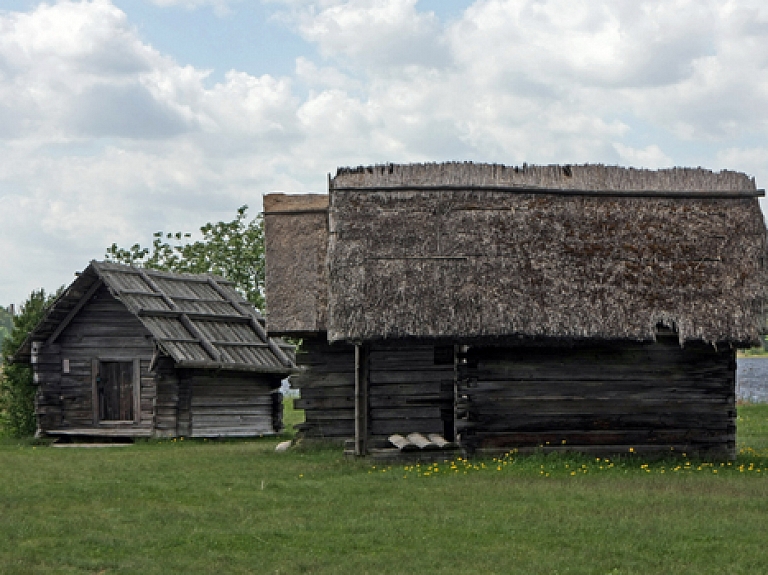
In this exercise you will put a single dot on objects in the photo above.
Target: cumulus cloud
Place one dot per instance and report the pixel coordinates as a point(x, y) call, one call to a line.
point(70, 68)
point(104, 138)
point(649, 157)
point(374, 33)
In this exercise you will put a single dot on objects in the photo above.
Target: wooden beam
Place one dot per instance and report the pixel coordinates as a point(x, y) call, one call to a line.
point(192, 329)
point(176, 312)
point(183, 317)
point(137, 391)
point(241, 344)
point(361, 400)
point(321, 211)
point(156, 288)
point(257, 327)
point(172, 276)
point(698, 194)
point(74, 311)
point(95, 389)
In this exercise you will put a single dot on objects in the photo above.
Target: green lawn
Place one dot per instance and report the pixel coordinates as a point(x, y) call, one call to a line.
point(238, 507)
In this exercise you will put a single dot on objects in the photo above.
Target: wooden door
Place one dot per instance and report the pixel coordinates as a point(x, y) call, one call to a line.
point(115, 385)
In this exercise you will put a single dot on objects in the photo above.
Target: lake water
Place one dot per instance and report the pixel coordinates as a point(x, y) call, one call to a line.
point(752, 379)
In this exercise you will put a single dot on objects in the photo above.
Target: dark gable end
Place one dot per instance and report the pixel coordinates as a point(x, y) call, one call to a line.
point(485, 251)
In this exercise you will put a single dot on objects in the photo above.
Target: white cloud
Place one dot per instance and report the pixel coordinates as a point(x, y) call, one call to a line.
point(104, 138)
point(376, 33)
point(56, 61)
point(108, 140)
point(649, 157)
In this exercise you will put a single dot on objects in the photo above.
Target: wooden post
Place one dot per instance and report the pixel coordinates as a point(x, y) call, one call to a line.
point(95, 389)
point(361, 400)
point(136, 390)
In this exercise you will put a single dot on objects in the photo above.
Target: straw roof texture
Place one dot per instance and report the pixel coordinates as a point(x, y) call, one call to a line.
point(484, 251)
point(296, 245)
point(583, 178)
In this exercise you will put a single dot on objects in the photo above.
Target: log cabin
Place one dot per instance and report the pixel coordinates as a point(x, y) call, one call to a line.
point(588, 308)
point(127, 352)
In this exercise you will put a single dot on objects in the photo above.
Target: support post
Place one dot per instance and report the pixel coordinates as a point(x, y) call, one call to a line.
point(361, 400)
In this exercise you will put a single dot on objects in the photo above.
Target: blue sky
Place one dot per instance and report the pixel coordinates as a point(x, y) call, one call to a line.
point(119, 118)
point(246, 38)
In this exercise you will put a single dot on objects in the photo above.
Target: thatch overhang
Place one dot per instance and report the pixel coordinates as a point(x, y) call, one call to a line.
point(198, 320)
point(474, 251)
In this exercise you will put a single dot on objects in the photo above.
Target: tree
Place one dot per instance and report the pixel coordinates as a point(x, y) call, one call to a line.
point(17, 391)
point(6, 325)
point(234, 250)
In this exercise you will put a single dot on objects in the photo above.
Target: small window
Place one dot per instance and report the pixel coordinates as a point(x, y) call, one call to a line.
point(115, 390)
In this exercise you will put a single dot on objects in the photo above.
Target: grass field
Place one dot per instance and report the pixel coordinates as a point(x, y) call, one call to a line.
point(239, 507)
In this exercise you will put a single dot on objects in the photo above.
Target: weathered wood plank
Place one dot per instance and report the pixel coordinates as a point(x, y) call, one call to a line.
point(555, 422)
point(411, 377)
point(399, 401)
point(314, 379)
point(643, 393)
point(338, 402)
point(426, 412)
point(386, 427)
point(435, 388)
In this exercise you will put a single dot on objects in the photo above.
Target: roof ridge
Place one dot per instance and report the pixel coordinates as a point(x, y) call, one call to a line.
point(594, 177)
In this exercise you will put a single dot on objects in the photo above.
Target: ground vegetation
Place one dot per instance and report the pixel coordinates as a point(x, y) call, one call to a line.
point(239, 507)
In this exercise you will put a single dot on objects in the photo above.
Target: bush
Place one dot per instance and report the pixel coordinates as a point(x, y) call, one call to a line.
point(17, 391)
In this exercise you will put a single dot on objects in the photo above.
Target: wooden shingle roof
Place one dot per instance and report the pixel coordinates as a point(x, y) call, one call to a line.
point(200, 321)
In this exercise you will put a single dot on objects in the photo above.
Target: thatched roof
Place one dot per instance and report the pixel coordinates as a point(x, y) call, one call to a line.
point(487, 251)
point(296, 245)
point(198, 320)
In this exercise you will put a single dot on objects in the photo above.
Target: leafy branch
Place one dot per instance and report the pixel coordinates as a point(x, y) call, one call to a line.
point(233, 250)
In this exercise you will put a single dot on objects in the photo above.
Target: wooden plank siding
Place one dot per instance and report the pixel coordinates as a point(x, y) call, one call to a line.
point(168, 419)
point(47, 375)
point(326, 388)
point(232, 404)
point(406, 390)
point(127, 352)
point(599, 398)
point(103, 330)
point(410, 390)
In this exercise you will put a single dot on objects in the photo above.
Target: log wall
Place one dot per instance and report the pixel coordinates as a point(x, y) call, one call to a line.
point(326, 388)
point(171, 402)
point(46, 366)
point(601, 399)
point(411, 389)
point(167, 420)
point(230, 404)
point(102, 330)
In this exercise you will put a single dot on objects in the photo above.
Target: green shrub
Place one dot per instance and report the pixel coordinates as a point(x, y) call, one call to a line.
point(17, 391)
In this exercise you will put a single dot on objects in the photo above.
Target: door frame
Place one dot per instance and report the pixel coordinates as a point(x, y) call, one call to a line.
point(136, 390)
